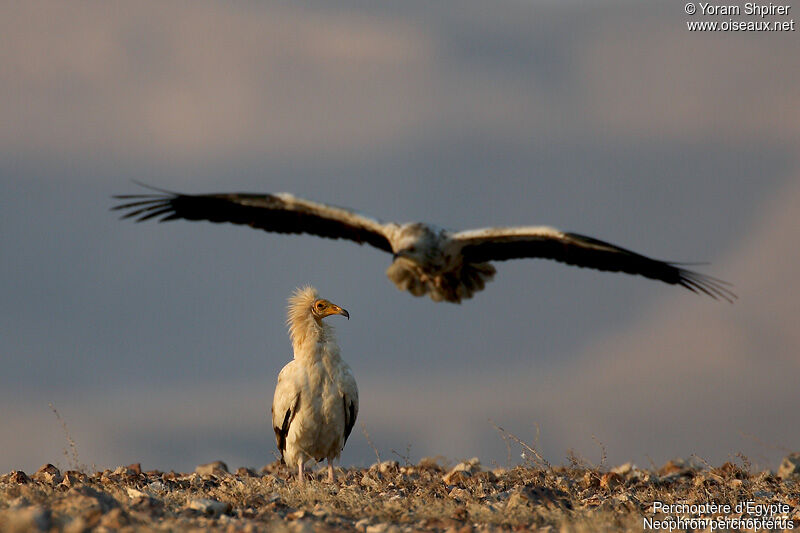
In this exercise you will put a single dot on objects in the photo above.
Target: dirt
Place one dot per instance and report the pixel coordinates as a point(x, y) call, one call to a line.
point(390, 497)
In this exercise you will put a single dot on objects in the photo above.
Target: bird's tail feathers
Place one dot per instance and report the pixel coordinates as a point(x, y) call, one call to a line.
point(451, 287)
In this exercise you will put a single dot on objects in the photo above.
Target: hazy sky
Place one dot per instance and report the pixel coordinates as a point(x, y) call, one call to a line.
point(161, 343)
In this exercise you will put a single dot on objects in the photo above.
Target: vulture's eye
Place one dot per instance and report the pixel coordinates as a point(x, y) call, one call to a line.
point(320, 305)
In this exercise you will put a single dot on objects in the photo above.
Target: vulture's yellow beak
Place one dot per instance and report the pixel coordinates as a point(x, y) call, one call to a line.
point(323, 308)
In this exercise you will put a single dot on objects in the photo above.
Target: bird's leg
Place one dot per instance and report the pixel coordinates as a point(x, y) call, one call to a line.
point(331, 475)
point(300, 477)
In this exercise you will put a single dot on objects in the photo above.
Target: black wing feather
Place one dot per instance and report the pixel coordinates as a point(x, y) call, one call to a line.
point(588, 252)
point(349, 417)
point(267, 212)
point(282, 432)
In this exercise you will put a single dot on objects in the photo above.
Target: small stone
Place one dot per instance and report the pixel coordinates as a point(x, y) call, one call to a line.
point(385, 467)
point(473, 466)
point(623, 469)
point(156, 486)
point(216, 468)
point(362, 524)
point(48, 474)
point(135, 494)
point(368, 481)
point(122, 471)
point(459, 494)
point(19, 477)
point(209, 507)
point(610, 481)
point(135, 468)
point(389, 467)
point(195, 481)
point(72, 478)
point(462, 471)
point(455, 477)
point(246, 472)
point(296, 515)
point(673, 466)
point(790, 466)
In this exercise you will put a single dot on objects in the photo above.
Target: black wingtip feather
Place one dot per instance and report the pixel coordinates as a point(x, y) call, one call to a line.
point(157, 189)
point(711, 286)
point(146, 209)
point(154, 214)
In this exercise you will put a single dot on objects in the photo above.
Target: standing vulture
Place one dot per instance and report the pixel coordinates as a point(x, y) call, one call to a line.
point(316, 400)
point(448, 266)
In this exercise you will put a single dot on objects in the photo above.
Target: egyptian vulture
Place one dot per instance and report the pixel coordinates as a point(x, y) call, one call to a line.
point(448, 266)
point(316, 400)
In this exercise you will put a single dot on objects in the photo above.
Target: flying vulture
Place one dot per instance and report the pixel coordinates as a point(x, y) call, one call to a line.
point(447, 265)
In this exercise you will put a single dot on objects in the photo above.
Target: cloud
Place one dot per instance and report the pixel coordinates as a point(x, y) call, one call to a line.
point(689, 86)
point(166, 80)
point(204, 80)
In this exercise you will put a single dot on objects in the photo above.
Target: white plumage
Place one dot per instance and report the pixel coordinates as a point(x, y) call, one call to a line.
point(316, 400)
point(448, 266)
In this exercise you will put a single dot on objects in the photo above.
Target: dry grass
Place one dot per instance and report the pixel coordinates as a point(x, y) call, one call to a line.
point(385, 497)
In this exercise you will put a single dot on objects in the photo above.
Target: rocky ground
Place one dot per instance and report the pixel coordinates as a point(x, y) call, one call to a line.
point(390, 497)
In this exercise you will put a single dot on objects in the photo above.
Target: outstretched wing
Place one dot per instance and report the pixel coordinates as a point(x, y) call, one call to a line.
point(500, 244)
point(280, 213)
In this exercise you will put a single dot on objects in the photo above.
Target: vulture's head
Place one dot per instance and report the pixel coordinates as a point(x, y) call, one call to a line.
point(419, 244)
point(306, 311)
point(322, 308)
